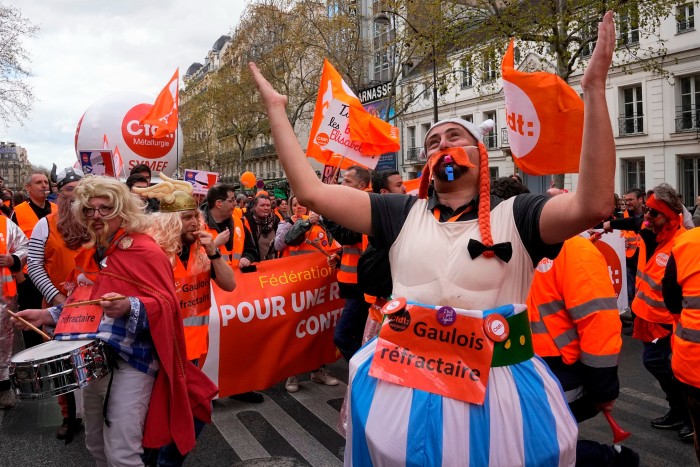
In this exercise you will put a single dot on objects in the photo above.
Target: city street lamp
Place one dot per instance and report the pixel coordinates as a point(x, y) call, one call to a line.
point(383, 19)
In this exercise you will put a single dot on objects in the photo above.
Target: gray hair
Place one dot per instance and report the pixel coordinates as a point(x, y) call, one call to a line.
point(670, 196)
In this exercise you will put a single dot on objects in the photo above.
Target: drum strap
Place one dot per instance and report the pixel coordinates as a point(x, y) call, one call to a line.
point(115, 366)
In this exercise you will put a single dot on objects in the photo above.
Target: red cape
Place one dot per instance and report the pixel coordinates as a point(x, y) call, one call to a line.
point(139, 268)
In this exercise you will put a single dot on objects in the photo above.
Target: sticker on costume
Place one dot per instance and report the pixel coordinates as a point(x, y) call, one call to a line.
point(125, 243)
point(662, 259)
point(544, 265)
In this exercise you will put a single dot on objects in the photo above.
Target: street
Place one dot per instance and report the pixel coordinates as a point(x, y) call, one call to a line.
point(300, 429)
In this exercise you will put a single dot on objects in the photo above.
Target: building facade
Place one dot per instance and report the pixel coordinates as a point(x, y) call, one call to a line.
point(655, 118)
point(14, 165)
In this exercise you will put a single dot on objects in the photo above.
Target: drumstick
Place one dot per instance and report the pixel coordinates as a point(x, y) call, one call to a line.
point(93, 302)
point(313, 244)
point(44, 336)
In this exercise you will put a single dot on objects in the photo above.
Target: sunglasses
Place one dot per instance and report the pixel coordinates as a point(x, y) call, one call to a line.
point(650, 211)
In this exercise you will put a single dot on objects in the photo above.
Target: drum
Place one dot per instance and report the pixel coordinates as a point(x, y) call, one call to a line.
point(58, 367)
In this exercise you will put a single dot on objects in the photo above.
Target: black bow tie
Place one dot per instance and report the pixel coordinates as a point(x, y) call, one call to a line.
point(504, 250)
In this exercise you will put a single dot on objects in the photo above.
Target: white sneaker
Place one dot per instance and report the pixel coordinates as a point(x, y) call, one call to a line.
point(292, 384)
point(322, 376)
point(7, 399)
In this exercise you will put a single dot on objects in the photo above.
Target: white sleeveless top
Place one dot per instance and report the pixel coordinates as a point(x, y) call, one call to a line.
point(430, 263)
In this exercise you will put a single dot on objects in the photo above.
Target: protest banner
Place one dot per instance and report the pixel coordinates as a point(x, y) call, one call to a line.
point(201, 181)
point(278, 322)
point(343, 129)
point(612, 246)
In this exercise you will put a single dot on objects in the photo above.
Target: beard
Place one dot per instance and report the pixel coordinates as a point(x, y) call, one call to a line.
point(100, 238)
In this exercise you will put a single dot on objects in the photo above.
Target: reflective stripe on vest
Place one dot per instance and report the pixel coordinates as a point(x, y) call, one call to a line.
point(599, 361)
point(196, 321)
point(648, 303)
point(685, 359)
point(691, 302)
point(650, 282)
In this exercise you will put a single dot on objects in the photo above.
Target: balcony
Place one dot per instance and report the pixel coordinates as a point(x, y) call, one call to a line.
point(687, 119)
point(504, 138)
point(631, 125)
point(413, 156)
point(491, 140)
point(262, 151)
point(685, 25)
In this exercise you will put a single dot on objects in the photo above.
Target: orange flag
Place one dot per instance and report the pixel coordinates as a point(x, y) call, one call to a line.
point(545, 120)
point(342, 127)
point(163, 114)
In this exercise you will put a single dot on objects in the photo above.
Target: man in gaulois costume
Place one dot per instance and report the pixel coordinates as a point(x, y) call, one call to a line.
point(444, 252)
point(153, 393)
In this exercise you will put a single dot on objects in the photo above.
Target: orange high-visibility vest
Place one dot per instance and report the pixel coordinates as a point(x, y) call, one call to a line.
point(573, 308)
point(27, 219)
point(59, 260)
point(347, 273)
point(9, 287)
point(649, 303)
point(193, 288)
point(632, 239)
point(685, 360)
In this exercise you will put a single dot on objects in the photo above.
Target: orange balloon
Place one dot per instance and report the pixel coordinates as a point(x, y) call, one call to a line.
point(248, 179)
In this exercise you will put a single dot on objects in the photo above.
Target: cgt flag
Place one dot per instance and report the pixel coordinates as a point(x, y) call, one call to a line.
point(545, 120)
point(342, 127)
point(163, 114)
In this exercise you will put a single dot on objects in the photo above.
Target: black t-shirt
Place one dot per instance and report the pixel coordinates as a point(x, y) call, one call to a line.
point(389, 213)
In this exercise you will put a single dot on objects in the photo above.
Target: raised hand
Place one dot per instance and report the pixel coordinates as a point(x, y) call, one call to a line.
point(271, 98)
point(597, 70)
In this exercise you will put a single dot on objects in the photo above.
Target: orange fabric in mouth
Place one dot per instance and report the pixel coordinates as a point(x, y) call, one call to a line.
point(459, 157)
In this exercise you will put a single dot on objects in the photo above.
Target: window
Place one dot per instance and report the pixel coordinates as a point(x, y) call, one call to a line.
point(411, 137)
point(424, 128)
point(490, 67)
point(633, 170)
point(491, 138)
point(629, 27)
point(588, 32)
point(685, 17)
point(467, 75)
point(426, 92)
point(493, 173)
point(383, 34)
point(632, 111)
point(469, 118)
point(688, 112)
point(689, 174)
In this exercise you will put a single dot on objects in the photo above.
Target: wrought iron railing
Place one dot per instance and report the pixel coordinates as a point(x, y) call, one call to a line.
point(631, 124)
point(262, 151)
point(685, 25)
point(413, 156)
point(687, 118)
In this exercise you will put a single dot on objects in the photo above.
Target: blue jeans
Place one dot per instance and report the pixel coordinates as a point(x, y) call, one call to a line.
point(351, 326)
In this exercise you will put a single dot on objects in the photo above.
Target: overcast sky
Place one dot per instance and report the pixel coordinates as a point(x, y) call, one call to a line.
point(89, 49)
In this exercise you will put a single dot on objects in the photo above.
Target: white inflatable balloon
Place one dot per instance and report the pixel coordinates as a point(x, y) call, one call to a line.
point(117, 116)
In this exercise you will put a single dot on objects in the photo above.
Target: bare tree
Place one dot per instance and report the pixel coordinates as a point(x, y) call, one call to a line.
point(16, 95)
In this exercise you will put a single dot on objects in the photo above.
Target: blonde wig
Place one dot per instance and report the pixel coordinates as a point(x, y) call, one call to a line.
point(166, 230)
point(126, 206)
